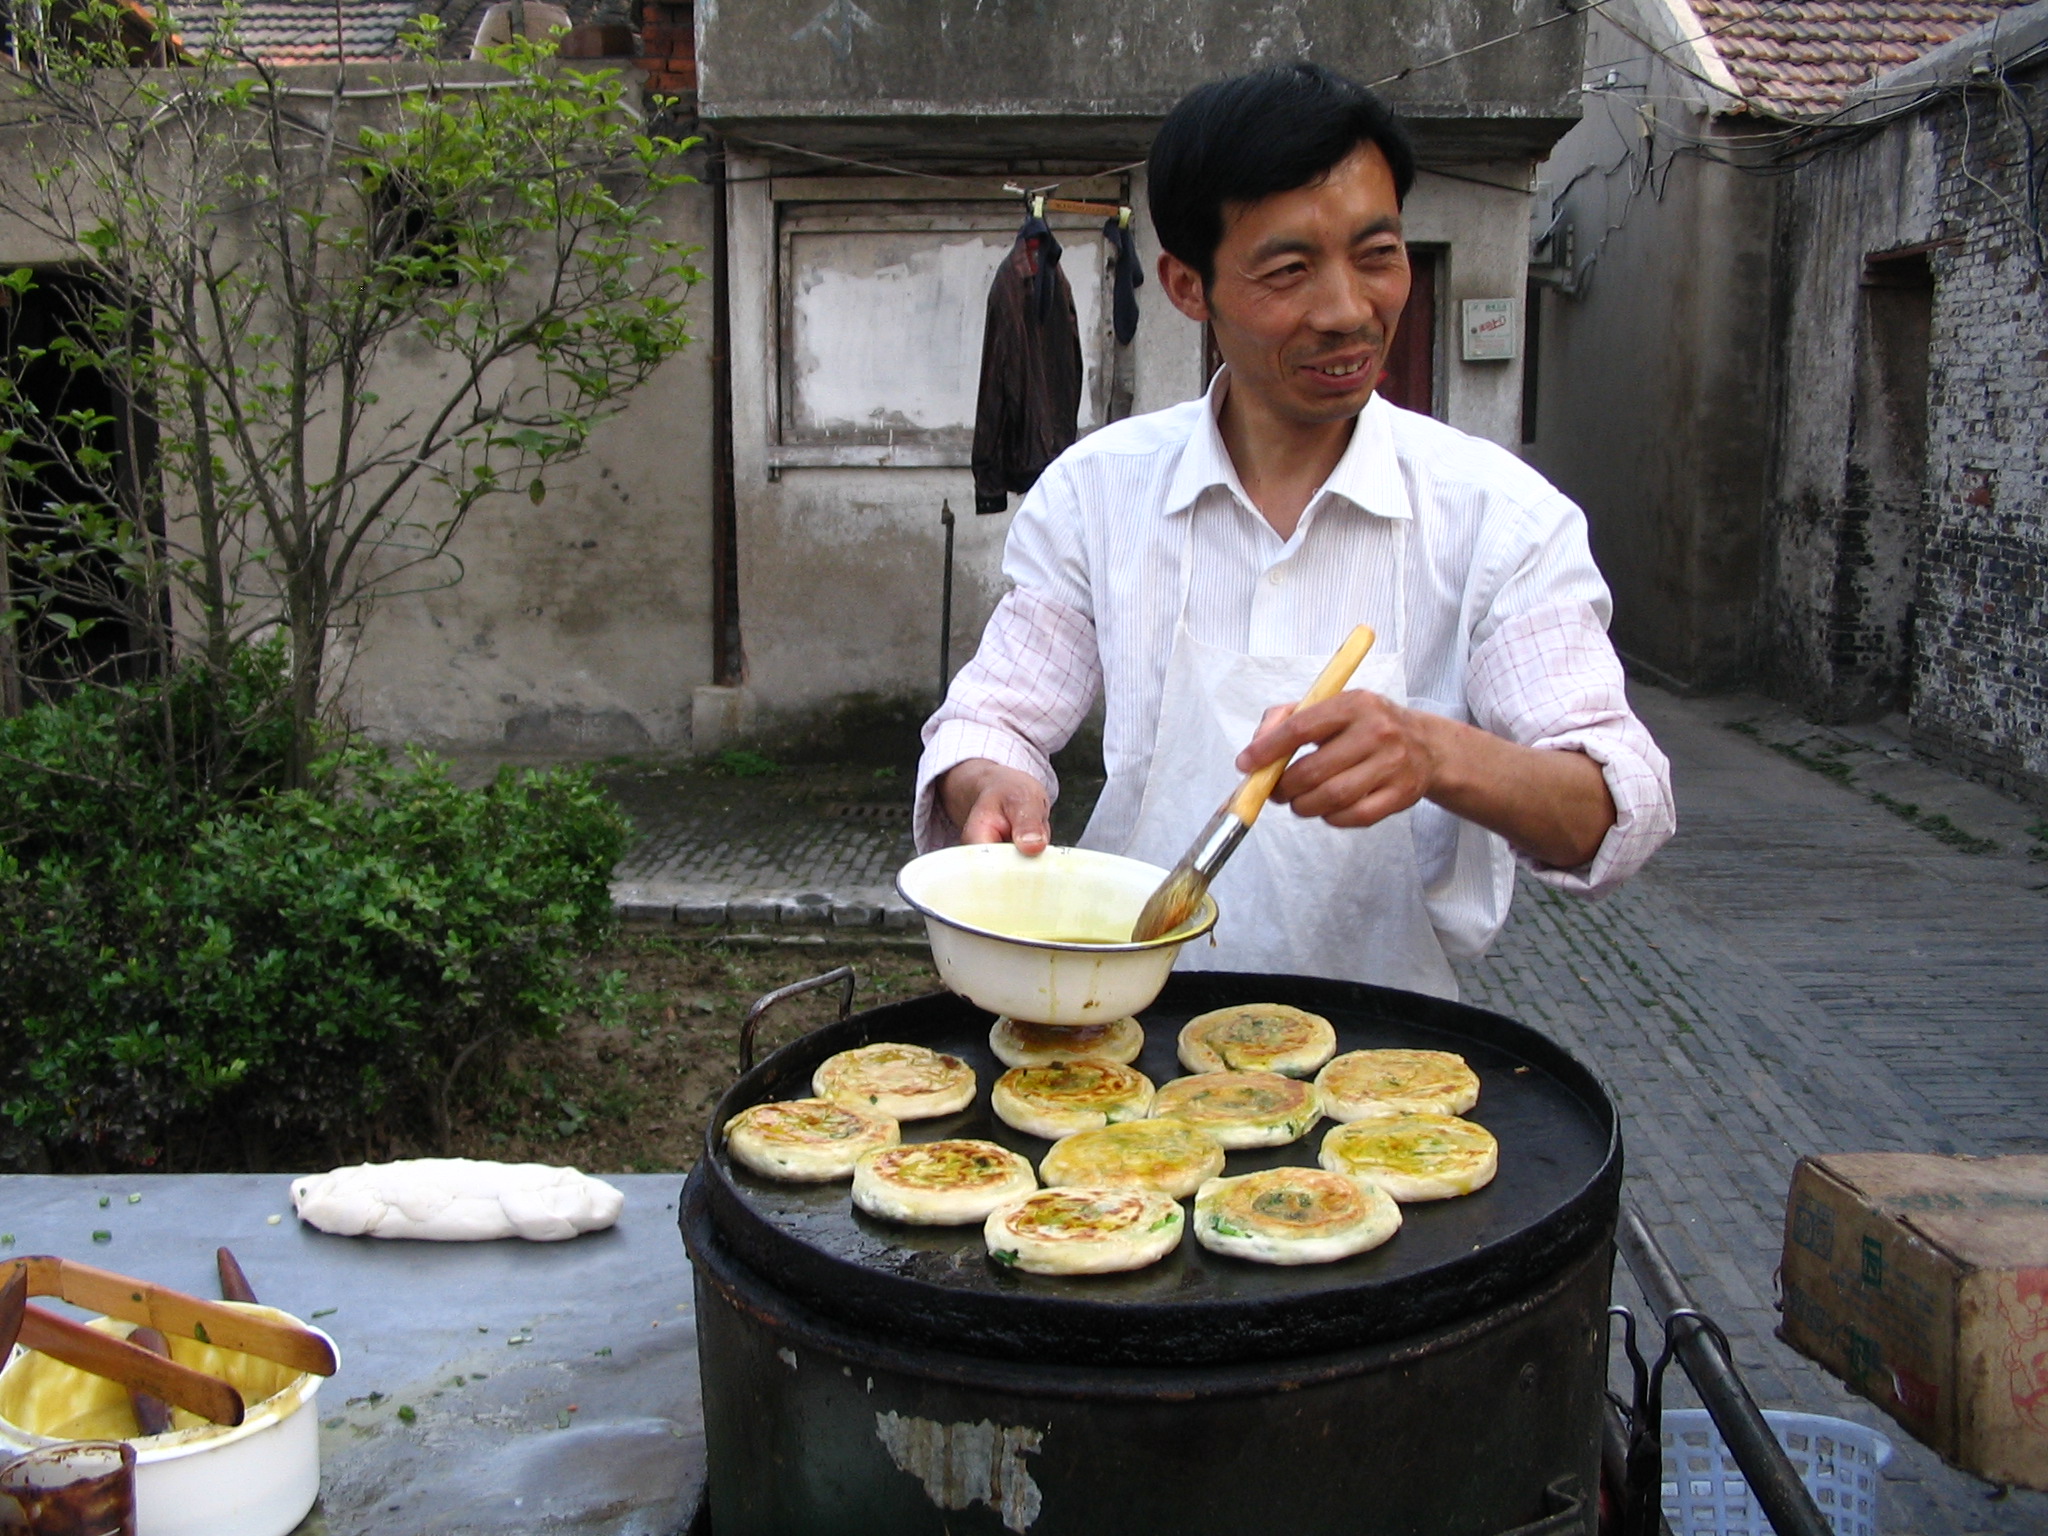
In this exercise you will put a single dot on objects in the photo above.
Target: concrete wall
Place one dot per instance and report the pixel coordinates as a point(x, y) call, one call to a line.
point(1653, 408)
point(1029, 73)
point(1478, 220)
point(582, 624)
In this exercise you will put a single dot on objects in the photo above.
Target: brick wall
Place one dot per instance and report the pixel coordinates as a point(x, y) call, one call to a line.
point(668, 47)
point(1980, 690)
point(1926, 590)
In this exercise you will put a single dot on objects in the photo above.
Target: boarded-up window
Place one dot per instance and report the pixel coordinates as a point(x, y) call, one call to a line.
point(882, 307)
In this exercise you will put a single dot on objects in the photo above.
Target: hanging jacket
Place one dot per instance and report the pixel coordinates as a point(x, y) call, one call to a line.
point(1029, 406)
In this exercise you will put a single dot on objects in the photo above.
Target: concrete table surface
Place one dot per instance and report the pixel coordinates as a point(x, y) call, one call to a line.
point(553, 1386)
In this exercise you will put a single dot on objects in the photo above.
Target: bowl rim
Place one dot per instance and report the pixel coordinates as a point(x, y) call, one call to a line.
point(1206, 911)
point(179, 1444)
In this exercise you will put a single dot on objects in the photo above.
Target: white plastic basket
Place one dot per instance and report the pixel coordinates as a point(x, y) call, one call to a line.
point(1705, 1493)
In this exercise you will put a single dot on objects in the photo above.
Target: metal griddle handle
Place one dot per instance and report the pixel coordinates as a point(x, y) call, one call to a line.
point(1702, 1349)
point(762, 1005)
point(1566, 1516)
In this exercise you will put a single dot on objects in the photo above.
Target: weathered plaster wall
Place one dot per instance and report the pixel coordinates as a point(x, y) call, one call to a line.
point(583, 623)
point(1653, 407)
point(1840, 571)
point(1480, 221)
point(1928, 596)
point(1028, 74)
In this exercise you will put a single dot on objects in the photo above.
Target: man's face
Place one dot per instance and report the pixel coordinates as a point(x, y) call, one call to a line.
point(1308, 288)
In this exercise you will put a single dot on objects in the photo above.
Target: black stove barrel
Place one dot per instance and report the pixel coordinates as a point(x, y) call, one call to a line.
point(864, 1377)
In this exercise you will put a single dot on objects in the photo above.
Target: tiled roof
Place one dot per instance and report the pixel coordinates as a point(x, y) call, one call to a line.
point(1800, 58)
point(302, 31)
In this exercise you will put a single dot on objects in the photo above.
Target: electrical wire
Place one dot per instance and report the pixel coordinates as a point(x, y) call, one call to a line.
point(1566, 13)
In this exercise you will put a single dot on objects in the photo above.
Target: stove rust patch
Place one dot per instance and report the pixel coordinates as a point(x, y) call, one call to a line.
point(963, 1464)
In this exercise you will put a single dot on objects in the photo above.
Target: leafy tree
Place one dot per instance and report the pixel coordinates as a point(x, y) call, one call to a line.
point(252, 255)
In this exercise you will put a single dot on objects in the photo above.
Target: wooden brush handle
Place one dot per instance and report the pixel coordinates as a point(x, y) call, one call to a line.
point(156, 1306)
point(152, 1413)
point(234, 1285)
point(13, 1299)
point(1253, 793)
point(116, 1359)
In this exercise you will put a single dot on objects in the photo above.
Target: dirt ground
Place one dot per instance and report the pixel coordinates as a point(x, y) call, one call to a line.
point(634, 1097)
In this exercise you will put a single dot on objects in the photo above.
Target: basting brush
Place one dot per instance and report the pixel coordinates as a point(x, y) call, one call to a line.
point(1175, 900)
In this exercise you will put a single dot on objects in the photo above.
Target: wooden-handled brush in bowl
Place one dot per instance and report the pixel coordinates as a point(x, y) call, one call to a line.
point(1187, 882)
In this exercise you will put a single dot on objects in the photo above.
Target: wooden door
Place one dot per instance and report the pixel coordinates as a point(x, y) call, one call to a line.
point(1410, 379)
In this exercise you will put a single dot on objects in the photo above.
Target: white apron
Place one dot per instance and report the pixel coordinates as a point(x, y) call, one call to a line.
point(1299, 897)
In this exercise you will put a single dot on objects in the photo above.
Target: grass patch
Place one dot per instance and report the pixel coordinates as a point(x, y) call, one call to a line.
point(634, 1096)
point(1829, 762)
point(743, 763)
point(1935, 825)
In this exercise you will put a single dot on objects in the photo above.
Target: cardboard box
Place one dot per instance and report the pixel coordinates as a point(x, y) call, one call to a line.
point(1922, 1282)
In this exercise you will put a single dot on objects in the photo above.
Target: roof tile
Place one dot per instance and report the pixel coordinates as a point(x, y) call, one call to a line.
point(303, 31)
point(1802, 58)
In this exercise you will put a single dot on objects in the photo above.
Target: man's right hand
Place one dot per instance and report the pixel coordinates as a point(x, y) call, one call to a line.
point(990, 803)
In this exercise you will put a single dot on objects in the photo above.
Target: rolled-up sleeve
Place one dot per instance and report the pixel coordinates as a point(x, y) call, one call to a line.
point(1036, 673)
point(1017, 702)
point(1549, 678)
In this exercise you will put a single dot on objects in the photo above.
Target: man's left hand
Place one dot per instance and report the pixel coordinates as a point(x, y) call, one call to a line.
point(1374, 758)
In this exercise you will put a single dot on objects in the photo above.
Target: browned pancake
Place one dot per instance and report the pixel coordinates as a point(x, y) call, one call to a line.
point(940, 1183)
point(1361, 1084)
point(1170, 1156)
point(1084, 1231)
point(1293, 1216)
point(1241, 1109)
point(1257, 1037)
point(1068, 1096)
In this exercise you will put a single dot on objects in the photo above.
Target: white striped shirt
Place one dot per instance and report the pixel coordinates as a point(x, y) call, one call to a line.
point(1505, 619)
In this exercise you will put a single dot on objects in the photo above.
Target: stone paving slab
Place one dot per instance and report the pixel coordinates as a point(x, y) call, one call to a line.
point(1841, 950)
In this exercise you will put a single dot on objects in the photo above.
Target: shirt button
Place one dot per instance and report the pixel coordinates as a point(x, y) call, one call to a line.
point(1276, 577)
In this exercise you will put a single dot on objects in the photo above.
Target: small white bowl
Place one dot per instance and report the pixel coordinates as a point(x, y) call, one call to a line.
point(1023, 935)
point(257, 1479)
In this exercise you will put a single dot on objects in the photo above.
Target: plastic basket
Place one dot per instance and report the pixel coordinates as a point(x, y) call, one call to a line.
point(1705, 1493)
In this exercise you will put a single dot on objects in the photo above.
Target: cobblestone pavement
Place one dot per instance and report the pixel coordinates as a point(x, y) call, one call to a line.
point(1842, 950)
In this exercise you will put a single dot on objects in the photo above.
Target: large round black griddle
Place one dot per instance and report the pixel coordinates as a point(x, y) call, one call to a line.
point(1555, 1197)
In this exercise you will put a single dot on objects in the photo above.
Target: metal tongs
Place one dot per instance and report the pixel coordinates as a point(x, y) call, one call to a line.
point(148, 1306)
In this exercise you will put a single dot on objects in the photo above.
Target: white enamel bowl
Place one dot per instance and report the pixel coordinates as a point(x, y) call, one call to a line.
point(1009, 933)
point(256, 1479)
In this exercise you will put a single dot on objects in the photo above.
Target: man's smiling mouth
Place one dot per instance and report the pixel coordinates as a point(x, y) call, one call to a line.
point(1340, 370)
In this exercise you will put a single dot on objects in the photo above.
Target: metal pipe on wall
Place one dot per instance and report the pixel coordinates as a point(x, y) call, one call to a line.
point(727, 667)
point(946, 606)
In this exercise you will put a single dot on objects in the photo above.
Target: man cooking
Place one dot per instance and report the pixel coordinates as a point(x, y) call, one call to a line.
point(1199, 565)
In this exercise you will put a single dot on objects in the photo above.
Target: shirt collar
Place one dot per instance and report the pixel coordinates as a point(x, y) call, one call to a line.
point(1368, 475)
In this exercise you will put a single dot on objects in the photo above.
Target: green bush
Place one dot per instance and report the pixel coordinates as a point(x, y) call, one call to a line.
point(199, 969)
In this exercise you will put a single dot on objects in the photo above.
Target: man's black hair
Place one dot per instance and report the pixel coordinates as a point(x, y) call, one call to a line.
point(1238, 140)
